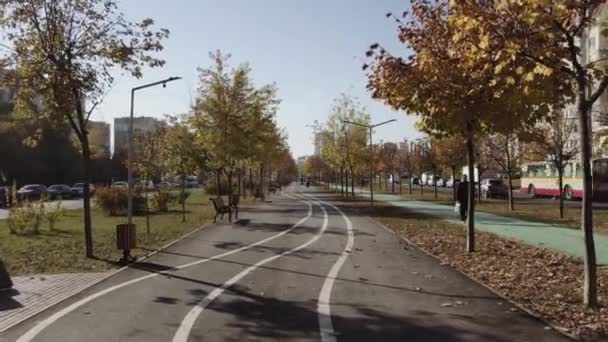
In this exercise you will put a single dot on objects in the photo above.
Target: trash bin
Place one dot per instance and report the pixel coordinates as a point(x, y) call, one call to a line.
point(126, 240)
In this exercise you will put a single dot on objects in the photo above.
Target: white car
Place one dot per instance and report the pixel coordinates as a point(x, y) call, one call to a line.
point(425, 178)
point(119, 185)
point(451, 182)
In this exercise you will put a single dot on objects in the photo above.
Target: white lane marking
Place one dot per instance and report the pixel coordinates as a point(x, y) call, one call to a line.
point(40, 326)
point(326, 326)
point(185, 327)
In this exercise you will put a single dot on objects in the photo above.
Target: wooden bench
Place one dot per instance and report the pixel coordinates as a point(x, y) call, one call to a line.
point(221, 208)
point(234, 204)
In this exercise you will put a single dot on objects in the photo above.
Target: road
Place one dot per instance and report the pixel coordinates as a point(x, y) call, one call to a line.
point(296, 269)
point(66, 204)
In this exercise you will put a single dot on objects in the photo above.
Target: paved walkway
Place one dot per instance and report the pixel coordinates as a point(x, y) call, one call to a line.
point(565, 240)
point(33, 294)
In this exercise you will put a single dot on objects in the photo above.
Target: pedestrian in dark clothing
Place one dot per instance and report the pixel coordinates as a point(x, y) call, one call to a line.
point(462, 197)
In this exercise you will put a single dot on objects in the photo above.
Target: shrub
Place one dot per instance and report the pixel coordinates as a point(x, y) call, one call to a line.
point(54, 213)
point(26, 215)
point(19, 219)
point(162, 199)
point(114, 202)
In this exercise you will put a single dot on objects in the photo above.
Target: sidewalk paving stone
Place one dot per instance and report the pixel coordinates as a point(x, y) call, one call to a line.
point(33, 294)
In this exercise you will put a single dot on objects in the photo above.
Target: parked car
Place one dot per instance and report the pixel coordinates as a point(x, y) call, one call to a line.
point(415, 180)
point(120, 185)
point(425, 178)
point(5, 196)
point(32, 192)
point(432, 179)
point(78, 189)
point(493, 188)
point(62, 191)
point(441, 181)
point(451, 182)
point(191, 182)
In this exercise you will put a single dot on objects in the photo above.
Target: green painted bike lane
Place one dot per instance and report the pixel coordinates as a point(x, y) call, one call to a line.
point(560, 239)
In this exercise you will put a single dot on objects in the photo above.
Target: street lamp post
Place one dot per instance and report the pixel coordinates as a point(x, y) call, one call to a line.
point(130, 147)
point(371, 151)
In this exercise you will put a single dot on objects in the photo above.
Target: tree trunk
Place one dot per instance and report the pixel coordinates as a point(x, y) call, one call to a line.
point(590, 284)
point(421, 186)
point(509, 173)
point(342, 181)
point(435, 182)
point(147, 207)
point(471, 207)
point(385, 184)
point(400, 186)
point(183, 198)
point(88, 230)
point(352, 183)
point(478, 188)
point(410, 183)
point(511, 201)
point(251, 187)
point(218, 182)
point(230, 190)
point(454, 183)
point(240, 182)
point(560, 175)
point(262, 192)
point(392, 183)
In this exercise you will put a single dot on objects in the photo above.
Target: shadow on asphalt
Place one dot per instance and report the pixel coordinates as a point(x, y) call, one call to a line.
point(258, 316)
point(161, 269)
point(6, 300)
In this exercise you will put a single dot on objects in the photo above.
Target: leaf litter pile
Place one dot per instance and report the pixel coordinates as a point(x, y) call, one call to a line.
point(544, 282)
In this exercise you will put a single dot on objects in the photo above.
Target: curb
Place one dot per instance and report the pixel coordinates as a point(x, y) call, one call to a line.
point(111, 273)
point(555, 327)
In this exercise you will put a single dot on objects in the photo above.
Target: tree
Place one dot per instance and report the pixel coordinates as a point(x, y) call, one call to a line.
point(539, 39)
point(388, 154)
point(448, 154)
point(231, 115)
point(180, 154)
point(403, 163)
point(452, 93)
point(553, 140)
point(147, 161)
point(64, 54)
point(345, 145)
point(505, 151)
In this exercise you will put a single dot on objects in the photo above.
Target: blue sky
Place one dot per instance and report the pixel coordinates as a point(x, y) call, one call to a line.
point(313, 50)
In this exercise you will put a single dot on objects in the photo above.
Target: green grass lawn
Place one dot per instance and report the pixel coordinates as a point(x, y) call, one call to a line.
point(62, 250)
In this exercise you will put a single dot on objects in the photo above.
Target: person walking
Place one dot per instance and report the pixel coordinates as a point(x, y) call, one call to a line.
point(462, 198)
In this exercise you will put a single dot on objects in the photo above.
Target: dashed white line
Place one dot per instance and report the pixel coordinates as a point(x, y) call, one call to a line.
point(185, 327)
point(326, 326)
point(40, 326)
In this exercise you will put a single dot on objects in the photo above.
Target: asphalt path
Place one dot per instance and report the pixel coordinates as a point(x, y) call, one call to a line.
point(299, 268)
